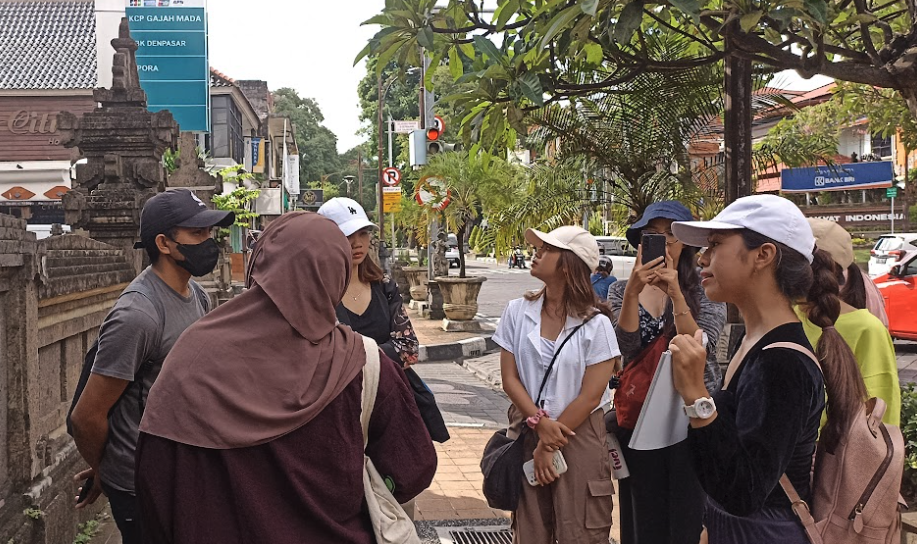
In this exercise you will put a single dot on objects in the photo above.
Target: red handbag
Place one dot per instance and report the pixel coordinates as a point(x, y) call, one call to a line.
point(635, 380)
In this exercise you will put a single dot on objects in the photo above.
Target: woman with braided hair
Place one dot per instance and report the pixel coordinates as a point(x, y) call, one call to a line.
point(764, 423)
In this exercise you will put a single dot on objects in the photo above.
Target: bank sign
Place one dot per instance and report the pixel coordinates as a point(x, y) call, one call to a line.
point(172, 58)
point(838, 177)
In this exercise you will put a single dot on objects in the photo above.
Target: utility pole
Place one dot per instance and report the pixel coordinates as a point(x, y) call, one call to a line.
point(360, 174)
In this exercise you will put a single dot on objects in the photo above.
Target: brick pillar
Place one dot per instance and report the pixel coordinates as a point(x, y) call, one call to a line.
point(19, 260)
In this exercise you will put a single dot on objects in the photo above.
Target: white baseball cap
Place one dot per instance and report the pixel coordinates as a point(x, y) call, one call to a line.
point(574, 239)
point(769, 215)
point(347, 213)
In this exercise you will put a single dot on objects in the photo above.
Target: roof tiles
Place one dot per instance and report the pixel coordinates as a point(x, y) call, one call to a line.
point(47, 45)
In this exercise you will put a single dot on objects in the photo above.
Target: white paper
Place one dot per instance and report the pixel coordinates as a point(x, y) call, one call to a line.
point(662, 422)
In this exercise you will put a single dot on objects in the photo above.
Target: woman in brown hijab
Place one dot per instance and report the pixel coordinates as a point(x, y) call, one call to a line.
point(252, 430)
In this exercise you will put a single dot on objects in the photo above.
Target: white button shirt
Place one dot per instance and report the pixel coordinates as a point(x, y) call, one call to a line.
point(519, 333)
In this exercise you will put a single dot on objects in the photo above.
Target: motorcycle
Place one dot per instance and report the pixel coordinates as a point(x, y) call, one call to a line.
point(517, 259)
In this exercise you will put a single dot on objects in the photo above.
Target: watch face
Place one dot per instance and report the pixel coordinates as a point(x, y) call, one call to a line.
point(705, 408)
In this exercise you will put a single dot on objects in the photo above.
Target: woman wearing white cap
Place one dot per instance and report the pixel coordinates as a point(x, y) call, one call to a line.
point(373, 307)
point(765, 421)
point(863, 332)
point(556, 376)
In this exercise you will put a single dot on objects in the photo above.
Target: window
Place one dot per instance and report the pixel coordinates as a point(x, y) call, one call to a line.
point(881, 147)
point(911, 268)
point(226, 136)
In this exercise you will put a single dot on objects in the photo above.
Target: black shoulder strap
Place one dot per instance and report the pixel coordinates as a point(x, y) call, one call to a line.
point(544, 381)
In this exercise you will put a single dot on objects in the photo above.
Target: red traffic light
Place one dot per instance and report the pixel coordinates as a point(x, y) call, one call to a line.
point(432, 134)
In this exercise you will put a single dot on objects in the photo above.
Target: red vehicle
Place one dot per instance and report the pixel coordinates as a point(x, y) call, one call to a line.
point(899, 289)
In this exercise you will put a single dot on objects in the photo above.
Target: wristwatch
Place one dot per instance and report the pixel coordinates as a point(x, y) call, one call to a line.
point(703, 408)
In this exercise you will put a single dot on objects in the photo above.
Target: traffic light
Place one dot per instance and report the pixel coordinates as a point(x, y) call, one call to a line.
point(426, 142)
point(434, 146)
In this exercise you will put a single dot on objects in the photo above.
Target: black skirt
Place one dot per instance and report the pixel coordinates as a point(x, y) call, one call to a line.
point(766, 526)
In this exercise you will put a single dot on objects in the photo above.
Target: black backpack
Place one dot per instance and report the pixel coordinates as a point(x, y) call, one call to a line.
point(90, 358)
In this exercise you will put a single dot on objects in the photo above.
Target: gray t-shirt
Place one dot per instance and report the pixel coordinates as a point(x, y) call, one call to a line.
point(132, 336)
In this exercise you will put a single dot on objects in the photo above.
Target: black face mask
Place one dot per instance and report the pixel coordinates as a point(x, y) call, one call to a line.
point(200, 259)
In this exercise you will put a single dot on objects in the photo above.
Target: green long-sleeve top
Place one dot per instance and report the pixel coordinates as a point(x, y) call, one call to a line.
point(875, 354)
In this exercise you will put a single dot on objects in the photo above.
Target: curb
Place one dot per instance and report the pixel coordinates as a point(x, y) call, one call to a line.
point(471, 347)
point(485, 372)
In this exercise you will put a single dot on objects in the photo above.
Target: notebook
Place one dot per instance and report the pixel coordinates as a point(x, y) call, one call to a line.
point(662, 421)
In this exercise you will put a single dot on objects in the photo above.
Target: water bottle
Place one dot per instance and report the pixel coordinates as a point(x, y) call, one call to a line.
point(618, 465)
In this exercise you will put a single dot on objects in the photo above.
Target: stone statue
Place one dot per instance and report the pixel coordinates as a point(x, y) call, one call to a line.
point(440, 264)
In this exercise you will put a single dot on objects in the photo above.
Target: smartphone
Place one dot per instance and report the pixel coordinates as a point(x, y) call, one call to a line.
point(84, 491)
point(560, 466)
point(653, 247)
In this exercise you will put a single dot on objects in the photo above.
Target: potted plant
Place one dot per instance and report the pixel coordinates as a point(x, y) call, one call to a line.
point(473, 184)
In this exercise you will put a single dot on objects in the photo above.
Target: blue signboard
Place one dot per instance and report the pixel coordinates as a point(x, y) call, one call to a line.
point(838, 177)
point(172, 58)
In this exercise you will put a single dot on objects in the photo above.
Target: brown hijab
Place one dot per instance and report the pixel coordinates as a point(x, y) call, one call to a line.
point(270, 360)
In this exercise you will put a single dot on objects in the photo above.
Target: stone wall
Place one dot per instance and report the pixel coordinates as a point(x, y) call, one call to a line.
point(54, 294)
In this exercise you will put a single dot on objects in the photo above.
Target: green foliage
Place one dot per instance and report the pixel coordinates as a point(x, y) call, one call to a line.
point(239, 201)
point(33, 513)
point(909, 430)
point(86, 532)
point(810, 136)
point(317, 144)
point(170, 160)
point(330, 190)
point(534, 52)
point(475, 237)
point(886, 110)
point(475, 185)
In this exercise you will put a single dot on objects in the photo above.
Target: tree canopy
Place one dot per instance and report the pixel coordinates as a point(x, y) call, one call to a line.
point(317, 144)
point(529, 53)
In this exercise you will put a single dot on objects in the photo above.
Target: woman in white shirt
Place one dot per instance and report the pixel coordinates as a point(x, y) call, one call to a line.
point(574, 507)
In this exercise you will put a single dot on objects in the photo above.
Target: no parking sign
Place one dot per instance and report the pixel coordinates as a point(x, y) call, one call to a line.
point(391, 176)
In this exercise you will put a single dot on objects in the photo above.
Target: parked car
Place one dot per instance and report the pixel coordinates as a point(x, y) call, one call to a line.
point(889, 250)
point(899, 289)
point(452, 252)
point(623, 255)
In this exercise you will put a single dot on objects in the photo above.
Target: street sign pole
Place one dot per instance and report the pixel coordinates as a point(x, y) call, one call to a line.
point(891, 193)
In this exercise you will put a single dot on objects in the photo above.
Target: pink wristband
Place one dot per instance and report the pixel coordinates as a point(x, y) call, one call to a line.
point(532, 421)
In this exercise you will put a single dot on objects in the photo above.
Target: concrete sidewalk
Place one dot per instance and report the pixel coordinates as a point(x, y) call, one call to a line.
point(439, 345)
point(473, 409)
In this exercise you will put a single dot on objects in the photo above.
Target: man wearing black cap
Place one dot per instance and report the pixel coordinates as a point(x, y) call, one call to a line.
point(176, 232)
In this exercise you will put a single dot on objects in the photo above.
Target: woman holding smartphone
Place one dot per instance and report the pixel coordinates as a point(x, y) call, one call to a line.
point(564, 323)
point(662, 500)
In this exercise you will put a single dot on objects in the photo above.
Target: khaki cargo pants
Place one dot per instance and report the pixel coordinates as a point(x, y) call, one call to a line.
point(576, 508)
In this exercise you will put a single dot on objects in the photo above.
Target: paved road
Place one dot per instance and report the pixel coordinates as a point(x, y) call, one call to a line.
point(907, 360)
point(502, 285)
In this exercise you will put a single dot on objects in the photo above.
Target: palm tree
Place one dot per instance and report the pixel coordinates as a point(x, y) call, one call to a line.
point(475, 184)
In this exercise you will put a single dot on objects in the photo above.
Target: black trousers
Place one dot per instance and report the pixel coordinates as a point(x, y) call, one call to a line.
point(125, 508)
point(662, 502)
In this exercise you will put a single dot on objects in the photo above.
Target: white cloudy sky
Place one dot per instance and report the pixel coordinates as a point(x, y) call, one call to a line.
point(310, 46)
